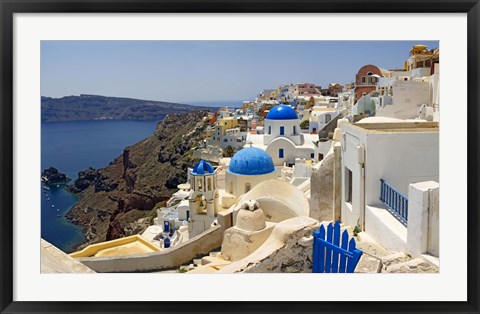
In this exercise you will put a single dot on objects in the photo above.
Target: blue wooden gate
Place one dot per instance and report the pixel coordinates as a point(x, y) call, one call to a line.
point(330, 255)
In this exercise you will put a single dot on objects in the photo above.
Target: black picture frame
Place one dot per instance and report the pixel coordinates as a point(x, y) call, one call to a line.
point(10, 7)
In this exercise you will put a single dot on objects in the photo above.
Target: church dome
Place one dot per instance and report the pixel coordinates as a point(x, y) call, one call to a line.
point(202, 167)
point(251, 161)
point(282, 113)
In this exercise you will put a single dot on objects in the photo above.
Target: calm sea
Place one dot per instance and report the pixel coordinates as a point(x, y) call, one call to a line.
point(74, 146)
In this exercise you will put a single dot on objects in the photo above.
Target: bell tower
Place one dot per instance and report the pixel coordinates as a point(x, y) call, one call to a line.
point(203, 198)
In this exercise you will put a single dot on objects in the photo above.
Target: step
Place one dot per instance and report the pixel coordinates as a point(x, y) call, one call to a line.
point(416, 265)
point(395, 258)
point(368, 245)
point(369, 264)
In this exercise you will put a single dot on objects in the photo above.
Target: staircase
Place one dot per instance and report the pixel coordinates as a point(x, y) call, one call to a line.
point(404, 263)
point(377, 259)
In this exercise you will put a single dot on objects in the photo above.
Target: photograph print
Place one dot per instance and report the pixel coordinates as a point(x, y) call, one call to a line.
point(226, 157)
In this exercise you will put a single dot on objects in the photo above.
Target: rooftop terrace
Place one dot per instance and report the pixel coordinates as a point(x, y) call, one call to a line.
point(397, 127)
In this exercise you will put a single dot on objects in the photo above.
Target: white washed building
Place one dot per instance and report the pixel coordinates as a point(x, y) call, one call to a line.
point(399, 153)
point(282, 138)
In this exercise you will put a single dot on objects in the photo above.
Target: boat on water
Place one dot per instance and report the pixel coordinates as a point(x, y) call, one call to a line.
point(45, 187)
point(53, 205)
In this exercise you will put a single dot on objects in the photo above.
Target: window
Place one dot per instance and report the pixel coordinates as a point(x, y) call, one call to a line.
point(320, 157)
point(312, 155)
point(282, 130)
point(269, 129)
point(209, 184)
point(328, 117)
point(348, 185)
point(294, 130)
point(247, 187)
point(199, 184)
point(280, 153)
point(363, 79)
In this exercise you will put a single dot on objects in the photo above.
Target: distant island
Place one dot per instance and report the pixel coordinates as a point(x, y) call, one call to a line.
point(94, 107)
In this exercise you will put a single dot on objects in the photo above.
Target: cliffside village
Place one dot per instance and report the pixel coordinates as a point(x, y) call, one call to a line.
point(300, 156)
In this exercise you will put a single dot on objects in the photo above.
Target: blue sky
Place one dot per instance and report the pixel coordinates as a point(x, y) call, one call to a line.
point(202, 71)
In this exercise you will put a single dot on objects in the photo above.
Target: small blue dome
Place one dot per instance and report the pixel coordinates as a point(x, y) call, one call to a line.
point(251, 161)
point(282, 113)
point(202, 167)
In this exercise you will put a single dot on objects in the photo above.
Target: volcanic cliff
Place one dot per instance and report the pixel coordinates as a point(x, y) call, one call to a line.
point(114, 199)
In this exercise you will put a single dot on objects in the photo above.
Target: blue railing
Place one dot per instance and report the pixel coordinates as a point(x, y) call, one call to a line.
point(397, 203)
point(332, 253)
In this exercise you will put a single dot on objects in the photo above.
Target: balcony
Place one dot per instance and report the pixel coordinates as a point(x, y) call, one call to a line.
point(396, 202)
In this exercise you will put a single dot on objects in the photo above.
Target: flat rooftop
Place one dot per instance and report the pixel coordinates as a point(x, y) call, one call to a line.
point(135, 244)
point(397, 127)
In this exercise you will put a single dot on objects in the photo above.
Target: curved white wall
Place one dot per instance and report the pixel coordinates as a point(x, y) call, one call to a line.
point(236, 183)
point(278, 200)
point(290, 151)
point(291, 131)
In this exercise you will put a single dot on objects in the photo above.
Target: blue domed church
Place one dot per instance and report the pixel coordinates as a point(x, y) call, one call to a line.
point(248, 167)
point(282, 138)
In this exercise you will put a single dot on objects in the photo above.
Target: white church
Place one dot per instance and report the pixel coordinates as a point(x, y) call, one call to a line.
point(283, 140)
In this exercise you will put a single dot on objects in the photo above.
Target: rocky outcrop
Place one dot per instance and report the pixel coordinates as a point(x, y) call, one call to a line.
point(127, 163)
point(137, 227)
point(53, 176)
point(114, 197)
point(92, 177)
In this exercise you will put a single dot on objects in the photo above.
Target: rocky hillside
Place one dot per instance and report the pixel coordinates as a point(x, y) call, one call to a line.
point(112, 199)
point(93, 107)
point(53, 176)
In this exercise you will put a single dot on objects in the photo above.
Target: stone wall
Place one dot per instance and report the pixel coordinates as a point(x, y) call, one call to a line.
point(322, 190)
point(423, 219)
point(171, 258)
point(53, 260)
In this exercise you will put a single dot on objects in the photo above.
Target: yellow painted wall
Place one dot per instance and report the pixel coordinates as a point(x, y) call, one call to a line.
point(227, 123)
point(122, 246)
